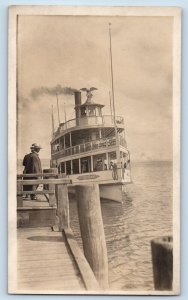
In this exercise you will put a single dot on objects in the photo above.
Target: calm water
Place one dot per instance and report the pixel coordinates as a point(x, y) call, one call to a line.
point(145, 213)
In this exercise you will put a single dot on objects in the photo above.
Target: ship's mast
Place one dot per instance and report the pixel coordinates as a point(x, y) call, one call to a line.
point(58, 108)
point(110, 105)
point(53, 128)
point(113, 102)
point(65, 112)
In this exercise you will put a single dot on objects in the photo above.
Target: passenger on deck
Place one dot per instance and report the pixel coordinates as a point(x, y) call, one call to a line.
point(98, 166)
point(128, 164)
point(111, 165)
point(115, 173)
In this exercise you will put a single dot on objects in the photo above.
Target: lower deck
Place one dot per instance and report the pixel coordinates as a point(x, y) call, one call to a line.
point(114, 176)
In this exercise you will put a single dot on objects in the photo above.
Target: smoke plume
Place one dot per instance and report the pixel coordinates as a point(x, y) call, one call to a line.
point(57, 90)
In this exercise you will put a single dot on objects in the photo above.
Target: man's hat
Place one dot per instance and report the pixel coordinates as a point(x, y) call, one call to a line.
point(35, 146)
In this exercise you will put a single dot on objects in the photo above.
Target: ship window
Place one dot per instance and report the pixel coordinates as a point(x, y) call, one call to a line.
point(86, 164)
point(67, 141)
point(91, 111)
point(61, 143)
point(98, 111)
point(75, 166)
point(62, 167)
point(83, 111)
point(99, 162)
point(68, 167)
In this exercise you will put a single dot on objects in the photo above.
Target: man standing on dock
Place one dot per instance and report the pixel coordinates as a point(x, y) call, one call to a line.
point(33, 166)
point(25, 161)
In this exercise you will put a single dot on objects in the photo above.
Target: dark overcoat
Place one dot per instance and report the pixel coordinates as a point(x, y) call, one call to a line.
point(33, 164)
point(25, 161)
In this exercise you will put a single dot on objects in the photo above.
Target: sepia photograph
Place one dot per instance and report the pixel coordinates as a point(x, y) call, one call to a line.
point(94, 150)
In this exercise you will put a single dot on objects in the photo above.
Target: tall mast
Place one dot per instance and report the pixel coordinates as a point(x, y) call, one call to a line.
point(53, 129)
point(65, 112)
point(58, 108)
point(110, 104)
point(113, 102)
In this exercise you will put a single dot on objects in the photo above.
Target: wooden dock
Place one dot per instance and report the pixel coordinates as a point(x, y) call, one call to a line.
point(49, 260)
point(45, 264)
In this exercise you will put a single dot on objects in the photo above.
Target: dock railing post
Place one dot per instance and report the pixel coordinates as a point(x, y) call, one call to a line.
point(92, 231)
point(19, 195)
point(52, 198)
point(162, 260)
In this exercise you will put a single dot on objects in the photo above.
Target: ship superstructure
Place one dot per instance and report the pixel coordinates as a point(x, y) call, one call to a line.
point(92, 146)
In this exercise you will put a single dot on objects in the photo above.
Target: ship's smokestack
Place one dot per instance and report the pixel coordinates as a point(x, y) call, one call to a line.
point(77, 96)
point(78, 102)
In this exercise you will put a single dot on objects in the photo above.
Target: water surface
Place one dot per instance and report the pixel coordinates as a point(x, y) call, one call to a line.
point(145, 213)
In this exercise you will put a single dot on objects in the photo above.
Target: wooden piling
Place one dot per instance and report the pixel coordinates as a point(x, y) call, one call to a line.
point(92, 231)
point(62, 207)
point(162, 259)
point(52, 198)
point(19, 194)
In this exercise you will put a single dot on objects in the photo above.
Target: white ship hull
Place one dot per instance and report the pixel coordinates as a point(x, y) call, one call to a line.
point(109, 188)
point(112, 192)
point(108, 192)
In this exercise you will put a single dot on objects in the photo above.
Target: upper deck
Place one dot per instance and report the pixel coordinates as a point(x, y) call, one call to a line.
point(88, 122)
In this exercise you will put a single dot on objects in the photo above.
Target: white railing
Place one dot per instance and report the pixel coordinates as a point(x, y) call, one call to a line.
point(87, 121)
point(90, 146)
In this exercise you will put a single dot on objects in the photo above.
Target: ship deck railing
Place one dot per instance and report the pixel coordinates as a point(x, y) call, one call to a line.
point(91, 146)
point(90, 120)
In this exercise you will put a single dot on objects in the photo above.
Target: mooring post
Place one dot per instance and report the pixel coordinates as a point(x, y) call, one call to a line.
point(19, 193)
point(52, 198)
point(162, 259)
point(92, 231)
point(62, 206)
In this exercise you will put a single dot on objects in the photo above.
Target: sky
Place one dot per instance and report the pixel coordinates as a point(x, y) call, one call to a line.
point(73, 51)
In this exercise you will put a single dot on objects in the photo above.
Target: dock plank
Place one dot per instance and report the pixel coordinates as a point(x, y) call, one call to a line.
point(44, 262)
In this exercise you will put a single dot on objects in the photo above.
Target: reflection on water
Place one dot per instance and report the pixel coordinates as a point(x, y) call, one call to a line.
point(145, 213)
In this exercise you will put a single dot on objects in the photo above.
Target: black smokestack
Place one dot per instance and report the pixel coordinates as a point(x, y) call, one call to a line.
point(78, 102)
point(77, 97)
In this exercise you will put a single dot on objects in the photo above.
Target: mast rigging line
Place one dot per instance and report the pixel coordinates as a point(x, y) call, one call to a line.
point(113, 102)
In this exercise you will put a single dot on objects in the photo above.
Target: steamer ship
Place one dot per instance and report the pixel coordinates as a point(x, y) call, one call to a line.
point(92, 148)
